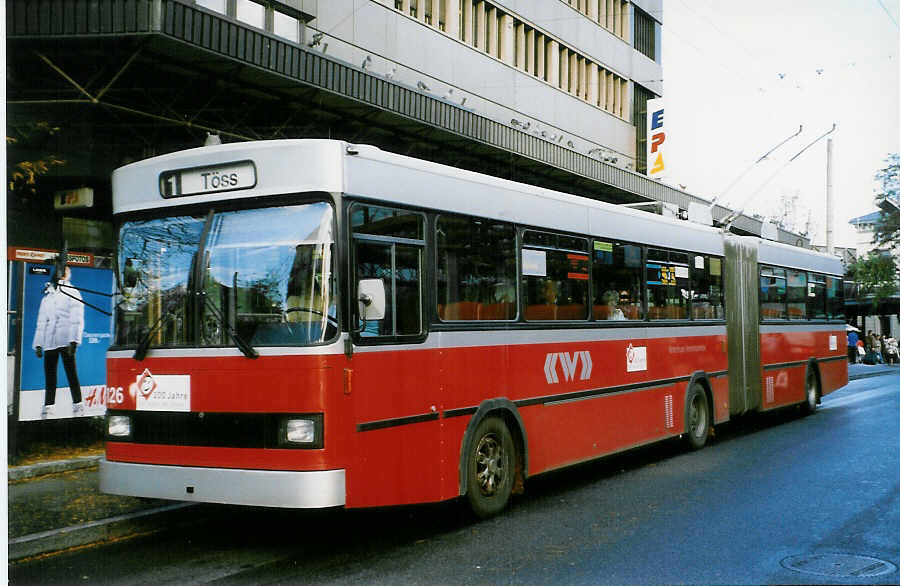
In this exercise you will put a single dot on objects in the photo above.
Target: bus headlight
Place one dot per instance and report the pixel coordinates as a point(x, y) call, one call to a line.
point(118, 426)
point(302, 431)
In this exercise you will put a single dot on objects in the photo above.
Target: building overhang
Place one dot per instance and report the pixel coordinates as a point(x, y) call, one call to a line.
point(153, 76)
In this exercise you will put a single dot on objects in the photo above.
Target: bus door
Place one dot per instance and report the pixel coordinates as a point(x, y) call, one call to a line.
point(742, 324)
point(396, 393)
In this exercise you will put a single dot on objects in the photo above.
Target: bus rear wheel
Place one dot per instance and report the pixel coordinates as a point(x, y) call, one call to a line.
point(698, 418)
point(490, 468)
point(812, 394)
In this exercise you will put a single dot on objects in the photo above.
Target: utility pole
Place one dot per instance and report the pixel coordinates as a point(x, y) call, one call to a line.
point(829, 204)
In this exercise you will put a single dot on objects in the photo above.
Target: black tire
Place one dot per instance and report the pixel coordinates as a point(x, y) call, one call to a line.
point(697, 422)
point(808, 407)
point(491, 468)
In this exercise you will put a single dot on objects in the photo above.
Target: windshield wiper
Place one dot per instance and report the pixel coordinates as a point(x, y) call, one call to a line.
point(242, 344)
point(144, 345)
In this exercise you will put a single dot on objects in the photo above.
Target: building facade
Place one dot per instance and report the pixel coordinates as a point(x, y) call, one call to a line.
point(547, 92)
point(578, 72)
point(564, 70)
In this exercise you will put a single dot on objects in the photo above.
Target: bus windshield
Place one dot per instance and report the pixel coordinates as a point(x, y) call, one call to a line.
point(261, 275)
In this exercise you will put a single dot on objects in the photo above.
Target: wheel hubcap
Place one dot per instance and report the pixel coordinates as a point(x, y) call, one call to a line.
point(698, 416)
point(490, 464)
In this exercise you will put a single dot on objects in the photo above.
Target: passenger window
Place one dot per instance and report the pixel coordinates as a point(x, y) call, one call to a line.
point(476, 266)
point(796, 294)
point(617, 281)
point(389, 246)
point(555, 275)
point(835, 295)
point(816, 302)
point(668, 284)
point(706, 288)
point(772, 293)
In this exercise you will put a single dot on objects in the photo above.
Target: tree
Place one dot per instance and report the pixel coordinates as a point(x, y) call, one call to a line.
point(22, 175)
point(887, 231)
point(876, 275)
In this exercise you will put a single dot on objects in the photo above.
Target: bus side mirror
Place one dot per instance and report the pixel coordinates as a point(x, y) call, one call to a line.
point(371, 299)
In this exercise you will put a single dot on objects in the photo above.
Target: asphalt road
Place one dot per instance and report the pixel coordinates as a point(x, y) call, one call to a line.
point(825, 488)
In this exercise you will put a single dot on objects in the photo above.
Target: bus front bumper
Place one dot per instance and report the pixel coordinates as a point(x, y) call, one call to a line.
point(263, 488)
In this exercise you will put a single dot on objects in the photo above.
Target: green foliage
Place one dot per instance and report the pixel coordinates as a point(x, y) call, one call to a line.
point(21, 175)
point(876, 274)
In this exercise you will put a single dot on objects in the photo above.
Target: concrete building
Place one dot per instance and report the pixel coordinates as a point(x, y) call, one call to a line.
point(575, 72)
point(547, 92)
point(885, 317)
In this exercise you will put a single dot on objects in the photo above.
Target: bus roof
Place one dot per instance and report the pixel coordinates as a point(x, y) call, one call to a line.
point(307, 165)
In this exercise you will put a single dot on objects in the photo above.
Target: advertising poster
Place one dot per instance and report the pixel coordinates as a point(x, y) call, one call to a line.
point(656, 137)
point(90, 354)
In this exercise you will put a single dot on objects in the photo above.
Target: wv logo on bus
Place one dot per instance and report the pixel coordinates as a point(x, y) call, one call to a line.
point(569, 362)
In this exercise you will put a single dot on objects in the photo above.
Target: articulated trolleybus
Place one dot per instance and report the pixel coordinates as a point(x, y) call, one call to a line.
point(310, 323)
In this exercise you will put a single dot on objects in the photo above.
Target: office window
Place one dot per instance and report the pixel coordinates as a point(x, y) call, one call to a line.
point(220, 6)
point(251, 13)
point(286, 26)
point(644, 33)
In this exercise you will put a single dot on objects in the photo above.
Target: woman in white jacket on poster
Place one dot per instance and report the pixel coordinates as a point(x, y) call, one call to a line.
point(60, 324)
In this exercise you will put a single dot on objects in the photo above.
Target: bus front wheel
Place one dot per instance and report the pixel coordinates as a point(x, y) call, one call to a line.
point(490, 468)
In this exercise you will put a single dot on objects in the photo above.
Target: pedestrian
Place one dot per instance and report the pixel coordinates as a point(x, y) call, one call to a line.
point(852, 339)
point(870, 348)
point(877, 347)
point(60, 324)
point(891, 350)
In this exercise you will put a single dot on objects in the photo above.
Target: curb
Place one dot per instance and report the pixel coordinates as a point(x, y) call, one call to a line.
point(94, 532)
point(24, 472)
point(871, 374)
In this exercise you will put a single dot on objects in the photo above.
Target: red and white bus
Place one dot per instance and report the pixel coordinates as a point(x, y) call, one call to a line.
point(310, 323)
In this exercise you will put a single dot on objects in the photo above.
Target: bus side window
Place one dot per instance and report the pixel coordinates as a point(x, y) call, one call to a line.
point(617, 281)
point(796, 294)
point(668, 284)
point(816, 302)
point(706, 288)
point(555, 274)
point(476, 269)
point(389, 245)
point(772, 293)
point(835, 294)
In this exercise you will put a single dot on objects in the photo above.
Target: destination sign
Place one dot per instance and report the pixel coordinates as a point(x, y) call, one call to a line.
point(213, 179)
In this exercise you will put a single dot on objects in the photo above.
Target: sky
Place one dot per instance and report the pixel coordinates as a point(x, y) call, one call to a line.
point(740, 77)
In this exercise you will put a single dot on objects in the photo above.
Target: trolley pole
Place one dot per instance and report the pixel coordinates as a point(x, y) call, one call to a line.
point(829, 204)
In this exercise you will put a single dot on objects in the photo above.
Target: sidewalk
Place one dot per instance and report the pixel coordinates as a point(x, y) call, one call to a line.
point(866, 370)
point(56, 504)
